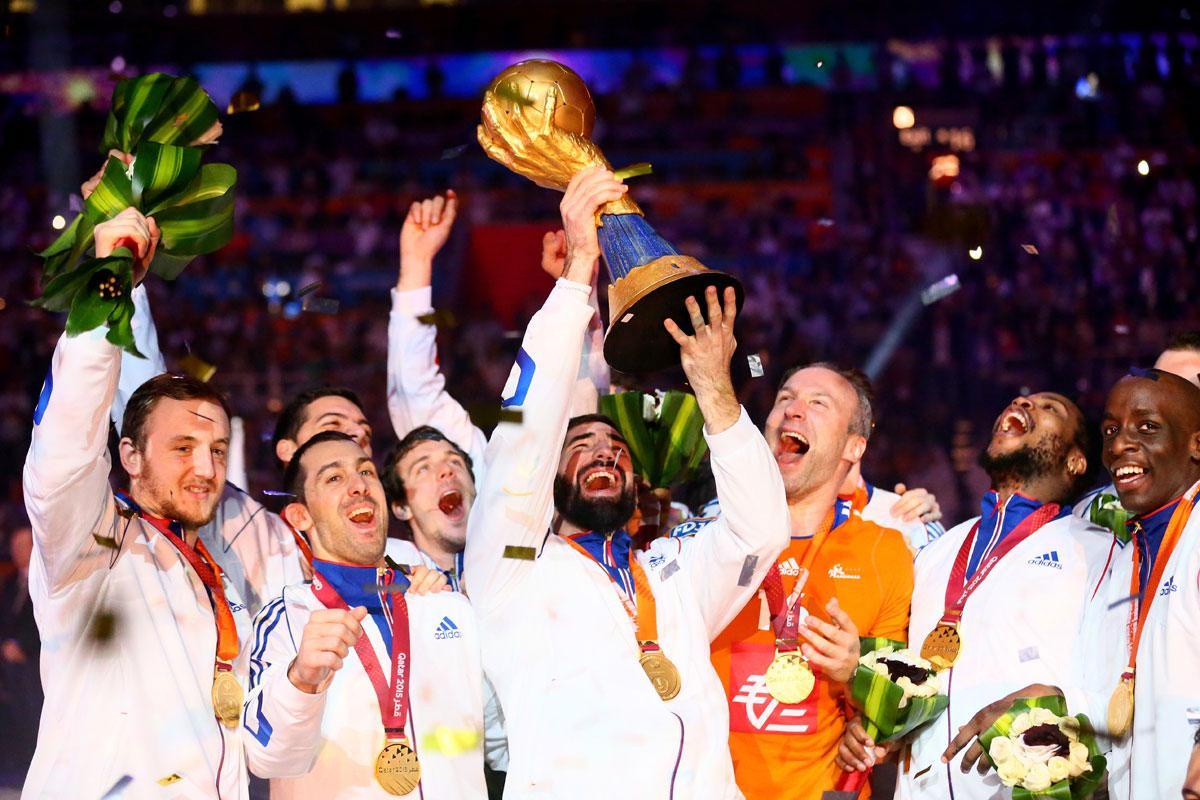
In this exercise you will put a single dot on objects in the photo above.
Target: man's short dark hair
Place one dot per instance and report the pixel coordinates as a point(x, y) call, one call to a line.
point(584, 419)
point(393, 484)
point(863, 421)
point(175, 387)
point(1185, 340)
point(294, 475)
point(295, 413)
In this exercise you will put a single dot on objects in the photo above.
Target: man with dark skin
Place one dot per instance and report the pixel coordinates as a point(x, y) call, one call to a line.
point(1151, 436)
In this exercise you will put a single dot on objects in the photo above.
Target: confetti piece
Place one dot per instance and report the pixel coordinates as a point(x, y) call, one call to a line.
point(670, 569)
point(520, 553)
point(510, 335)
point(820, 63)
point(1031, 249)
point(392, 33)
point(1122, 601)
point(922, 772)
point(198, 368)
point(634, 171)
point(512, 415)
point(117, 787)
point(451, 741)
point(103, 627)
point(309, 289)
point(321, 305)
point(487, 415)
point(385, 588)
point(453, 152)
point(106, 541)
point(939, 290)
point(441, 318)
point(243, 102)
point(174, 777)
point(756, 367)
point(1028, 654)
point(748, 570)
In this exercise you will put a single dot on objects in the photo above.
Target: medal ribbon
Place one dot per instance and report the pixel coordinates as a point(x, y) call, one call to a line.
point(210, 575)
point(1139, 609)
point(785, 617)
point(393, 698)
point(301, 543)
point(959, 589)
point(644, 614)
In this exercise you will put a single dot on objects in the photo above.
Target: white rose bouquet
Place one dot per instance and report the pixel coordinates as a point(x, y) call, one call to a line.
point(1040, 751)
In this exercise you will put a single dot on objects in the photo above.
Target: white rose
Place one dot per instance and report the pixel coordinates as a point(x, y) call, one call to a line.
point(1060, 769)
point(1070, 727)
point(1001, 749)
point(881, 669)
point(932, 684)
point(1021, 724)
point(1079, 758)
point(1037, 779)
point(869, 660)
point(1011, 772)
point(1042, 716)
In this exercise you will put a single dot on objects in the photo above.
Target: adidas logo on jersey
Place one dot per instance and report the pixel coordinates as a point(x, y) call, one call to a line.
point(838, 571)
point(789, 567)
point(1168, 587)
point(1047, 560)
point(446, 629)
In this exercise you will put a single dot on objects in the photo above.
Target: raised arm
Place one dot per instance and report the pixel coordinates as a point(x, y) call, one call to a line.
point(65, 479)
point(134, 370)
point(516, 499)
point(729, 557)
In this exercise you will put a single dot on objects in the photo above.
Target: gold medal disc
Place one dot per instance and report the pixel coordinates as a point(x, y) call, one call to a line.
point(662, 673)
point(397, 768)
point(941, 646)
point(1120, 708)
point(789, 679)
point(227, 698)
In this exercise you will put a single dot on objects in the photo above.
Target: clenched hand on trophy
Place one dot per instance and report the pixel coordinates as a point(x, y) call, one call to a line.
point(537, 118)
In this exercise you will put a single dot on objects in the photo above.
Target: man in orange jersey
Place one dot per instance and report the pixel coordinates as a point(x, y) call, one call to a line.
point(840, 577)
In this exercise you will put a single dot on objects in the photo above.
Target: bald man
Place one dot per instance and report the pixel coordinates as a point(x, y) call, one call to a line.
point(1182, 356)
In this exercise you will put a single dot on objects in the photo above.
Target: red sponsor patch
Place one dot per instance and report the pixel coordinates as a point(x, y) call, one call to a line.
point(751, 707)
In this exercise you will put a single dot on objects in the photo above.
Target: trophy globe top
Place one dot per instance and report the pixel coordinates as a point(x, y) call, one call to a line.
point(533, 80)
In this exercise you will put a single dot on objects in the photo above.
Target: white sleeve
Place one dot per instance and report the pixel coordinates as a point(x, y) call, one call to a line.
point(416, 388)
point(730, 557)
point(65, 482)
point(281, 725)
point(593, 378)
point(516, 500)
point(235, 472)
point(495, 739)
point(1102, 646)
point(136, 371)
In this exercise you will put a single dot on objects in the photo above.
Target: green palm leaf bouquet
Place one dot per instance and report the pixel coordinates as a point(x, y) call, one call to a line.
point(665, 433)
point(1040, 752)
point(897, 690)
point(165, 123)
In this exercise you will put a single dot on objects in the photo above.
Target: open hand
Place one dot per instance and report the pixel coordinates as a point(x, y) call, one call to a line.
point(705, 357)
point(985, 718)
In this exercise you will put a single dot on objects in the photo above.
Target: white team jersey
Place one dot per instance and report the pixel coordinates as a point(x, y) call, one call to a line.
point(583, 719)
point(135, 701)
point(1151, 762)
point(917, 534)
point(1021, 626)
point(324, 745)
point(253, 545)
point(416, 388)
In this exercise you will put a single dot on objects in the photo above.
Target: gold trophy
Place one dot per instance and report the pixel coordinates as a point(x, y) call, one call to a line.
point(537, 118)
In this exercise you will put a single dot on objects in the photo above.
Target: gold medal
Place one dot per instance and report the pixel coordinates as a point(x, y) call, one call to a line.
point(227, 698)
point(396, 768)
point(1120, 708)
point(662, 673)
point(790, 679)
point(941, 646)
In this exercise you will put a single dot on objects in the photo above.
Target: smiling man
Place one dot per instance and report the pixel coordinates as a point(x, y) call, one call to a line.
point(999, 599)
point(1151, 434)
point(365, 668)
point(143, 636)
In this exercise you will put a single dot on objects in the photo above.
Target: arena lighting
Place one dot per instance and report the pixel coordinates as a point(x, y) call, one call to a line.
point(1143, 167)
point(976, 252)
point(943, 167)
point(903, 117)
point(59, 222)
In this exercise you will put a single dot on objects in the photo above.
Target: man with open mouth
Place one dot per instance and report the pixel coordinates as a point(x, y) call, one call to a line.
point(364, 681)
point(1000, 599)
point(599, 653)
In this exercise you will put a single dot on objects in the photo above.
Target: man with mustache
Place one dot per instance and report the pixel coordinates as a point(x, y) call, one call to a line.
point(322, 721)
point(599, 654)
point(143, 637)
point(1151, 433)
point(785, 659)
point(1000, 599)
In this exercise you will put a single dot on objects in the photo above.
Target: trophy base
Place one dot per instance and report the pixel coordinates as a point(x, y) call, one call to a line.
point(640, 301)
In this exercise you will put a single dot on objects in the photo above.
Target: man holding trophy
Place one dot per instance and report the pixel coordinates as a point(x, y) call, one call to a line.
point(599, 654)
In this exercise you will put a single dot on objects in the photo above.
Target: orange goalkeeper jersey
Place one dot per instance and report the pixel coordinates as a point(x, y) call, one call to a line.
point(786, 751)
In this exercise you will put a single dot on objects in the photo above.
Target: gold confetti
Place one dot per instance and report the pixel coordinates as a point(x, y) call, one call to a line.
point(451, 741)
point(244, 101)
point(198, 368)
point(321, 305)
point(106, 541)
point(520, 553)
point(634, 171)
point(174, 777)
point(440, 318)
point(103, 627)
point(1031, 249)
